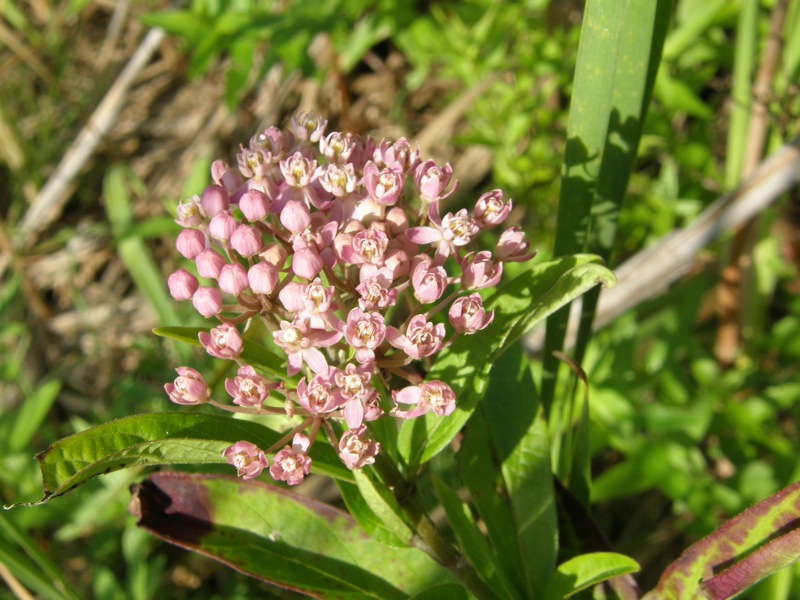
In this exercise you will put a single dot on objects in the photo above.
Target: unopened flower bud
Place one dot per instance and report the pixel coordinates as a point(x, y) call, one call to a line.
point(214, 199)
point(246, 240)
point(209, 263)
point(207, 301)
point(233, 279)
point(262, 277)
point(182, 285)
point(222, 226)
point(190, 243)
point(254, 205)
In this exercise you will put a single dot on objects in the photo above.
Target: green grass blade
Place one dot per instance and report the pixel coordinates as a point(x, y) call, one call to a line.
point(132, 249)
point(618, 59)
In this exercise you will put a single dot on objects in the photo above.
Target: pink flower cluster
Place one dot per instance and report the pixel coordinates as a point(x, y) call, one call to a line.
point(338, 244)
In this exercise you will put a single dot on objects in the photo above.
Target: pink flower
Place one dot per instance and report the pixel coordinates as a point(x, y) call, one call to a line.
point(247, 458)
point(399, 153)
point(355, 451)
point(207, 301)
point(338, 147)
point(432, 180)
point(377, 292)
point(233, 279)
point(339, 180)
point(313, 300)
point(248, 388)
point(301, 344)
point(355, 390)
point(308, 126)
point(513, 246)
point(182, 284)
point(490, 209)
point(188, 388)
point(479, 271)
point(433, 396)
point(364, 332)
point(223, 341)
point(367, 246)
point(190, 243)
point(447, 234)
point(428, 281)
point(298, 170)
point(319, 396)
point(422, 338)
point(189, 213)
point(384, 186)
point(292, 464)
point(467, 314)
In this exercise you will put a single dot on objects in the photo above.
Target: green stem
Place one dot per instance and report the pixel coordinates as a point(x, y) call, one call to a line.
point(428, 538)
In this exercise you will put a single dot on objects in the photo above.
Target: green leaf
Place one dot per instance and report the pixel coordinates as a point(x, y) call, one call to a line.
point(618, 57)
point(750, 546)
point(30, 415)
point(380, 500)
point(280, 537)
point(519, 305)
point(157, 439)
point(118, 185)
point(521, 444)
point(585, 571)
point(471, 540)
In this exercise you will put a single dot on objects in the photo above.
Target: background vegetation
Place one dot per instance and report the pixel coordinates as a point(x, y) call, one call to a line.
point(693, 391)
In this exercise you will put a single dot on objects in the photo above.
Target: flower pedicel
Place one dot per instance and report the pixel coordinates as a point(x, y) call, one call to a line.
point(336, 243)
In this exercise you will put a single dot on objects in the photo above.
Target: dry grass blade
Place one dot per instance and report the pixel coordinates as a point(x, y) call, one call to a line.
point(50, 201)
point(652, 270)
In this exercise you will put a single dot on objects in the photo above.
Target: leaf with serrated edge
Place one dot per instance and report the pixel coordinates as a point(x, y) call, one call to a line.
point(157, 439)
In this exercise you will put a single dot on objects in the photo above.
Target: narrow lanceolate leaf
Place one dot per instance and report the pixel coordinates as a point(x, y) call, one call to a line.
point(761, 540)
point(521, 444)
point(519, 305)
point(280, 537)
point(157, 439)
point(472, 542)
point(585, 571)
point(618, 57)
point(253, 353)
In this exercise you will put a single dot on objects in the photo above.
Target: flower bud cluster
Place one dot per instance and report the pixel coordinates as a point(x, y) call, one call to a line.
point(338, 244)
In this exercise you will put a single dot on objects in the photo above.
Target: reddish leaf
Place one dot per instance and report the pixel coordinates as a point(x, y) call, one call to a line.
point(744, 550)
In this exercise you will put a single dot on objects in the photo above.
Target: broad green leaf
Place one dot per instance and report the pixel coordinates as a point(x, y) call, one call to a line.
point(472, 542)
point(275, 535)
point(252, 353)
point(450, 591)
point(157, 439)
point(521, 443)
point(752, 545)
point(519, 305)
point(585, 571)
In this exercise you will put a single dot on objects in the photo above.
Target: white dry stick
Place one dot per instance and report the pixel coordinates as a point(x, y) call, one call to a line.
point(651, 271)
point(50, 202)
